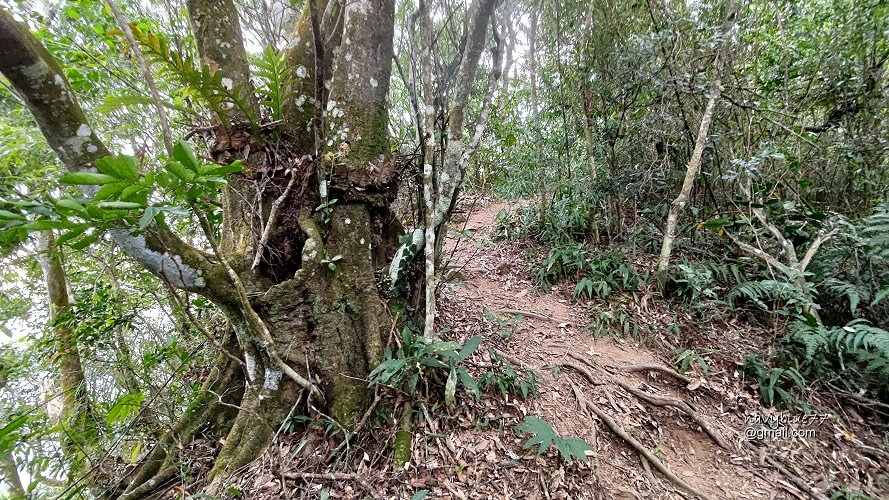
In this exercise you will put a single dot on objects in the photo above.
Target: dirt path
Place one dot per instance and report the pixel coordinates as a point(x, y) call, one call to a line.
point(473, 450)
point(489, 277)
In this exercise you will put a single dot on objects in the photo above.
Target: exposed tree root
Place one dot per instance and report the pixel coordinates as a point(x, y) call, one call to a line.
point(527, 314)
point(657, 368)
point(658, 401)
point(327, 476)
point(636, 445)
point(793, 478)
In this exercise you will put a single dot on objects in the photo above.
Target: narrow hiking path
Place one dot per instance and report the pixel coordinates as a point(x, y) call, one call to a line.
point(690, 427)
point(546, 332)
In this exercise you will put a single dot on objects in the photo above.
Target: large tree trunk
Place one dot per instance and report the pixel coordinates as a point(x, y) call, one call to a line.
point(308, 322)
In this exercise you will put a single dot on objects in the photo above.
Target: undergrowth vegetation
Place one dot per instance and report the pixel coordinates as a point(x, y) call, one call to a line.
point(830, 330)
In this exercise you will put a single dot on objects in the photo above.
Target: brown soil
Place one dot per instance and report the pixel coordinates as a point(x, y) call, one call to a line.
point(472, 450)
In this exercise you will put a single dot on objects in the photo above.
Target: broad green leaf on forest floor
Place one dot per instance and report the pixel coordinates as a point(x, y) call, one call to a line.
point(544, 435)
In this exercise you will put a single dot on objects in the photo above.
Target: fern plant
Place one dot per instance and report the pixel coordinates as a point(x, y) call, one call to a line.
point(274, 76)
point(795, 302)
point(215, 90)
point(857, 343)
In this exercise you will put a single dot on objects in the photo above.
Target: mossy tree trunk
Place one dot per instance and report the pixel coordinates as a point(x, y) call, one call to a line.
point(308, 322)
point(80, 434)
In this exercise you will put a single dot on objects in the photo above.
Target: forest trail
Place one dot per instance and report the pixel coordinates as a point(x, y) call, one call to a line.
point(474, 450)
point(488, 277)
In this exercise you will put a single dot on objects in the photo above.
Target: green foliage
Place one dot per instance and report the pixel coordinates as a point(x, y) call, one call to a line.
point(787, 298)
point(858, 350)
point(776, 384)
point(504, 377)
point(598, 273)
point(275, 76)
point(686, 358)
point(703, 282)
point(122, 193)
point(418, 360)
point(544, 435)
point(212, 88)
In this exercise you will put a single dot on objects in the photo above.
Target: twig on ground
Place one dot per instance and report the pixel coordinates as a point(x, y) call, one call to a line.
point(793, 478)
point(528, 314)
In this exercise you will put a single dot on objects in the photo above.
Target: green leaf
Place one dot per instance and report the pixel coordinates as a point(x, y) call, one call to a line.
point(70, 235)
point(468, 382)
point(182, 151)
point(70, 204)
point(121, 167)
point(119, 205)
point(109, 191)
point(7, 215)
point(220, 170)
point(880, 296)
point(86, 241)
point(420, 495)
point(43, 225)
point(543, 433)
point(179, 170)
point(451, 388)
point(573, 447)
point(87, 179)
point(148, 217)
point(469, 347)
point(126, 405)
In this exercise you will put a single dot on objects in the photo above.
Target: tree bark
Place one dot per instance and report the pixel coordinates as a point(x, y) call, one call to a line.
point(694, 163)
point(80, 433)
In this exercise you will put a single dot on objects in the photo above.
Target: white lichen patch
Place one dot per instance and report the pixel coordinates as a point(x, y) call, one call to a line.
point(169, 267)
point(301, 71)
point(322, 188)
point(228, 83)
point(347, 221)
point(250, 361)
point(416, 241)
point(373, 82)
point(348, 56)
point(272, 379)
point(91, 148)
point(309, 249)
point(58, 80)
point(36, 71)
point(83, 130)
point(361, 241)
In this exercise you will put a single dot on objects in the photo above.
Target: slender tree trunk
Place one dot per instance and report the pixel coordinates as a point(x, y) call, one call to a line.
point(11, 474)
point(535, 104)
point(427, 38)
point(80, 432)
point(694, 163)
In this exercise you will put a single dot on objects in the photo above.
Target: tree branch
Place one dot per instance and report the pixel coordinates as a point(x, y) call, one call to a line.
point(813, 248)
point(41, 83)
point(146, 73)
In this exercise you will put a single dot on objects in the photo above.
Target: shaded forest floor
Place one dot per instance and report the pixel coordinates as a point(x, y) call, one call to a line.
point(473, 450)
